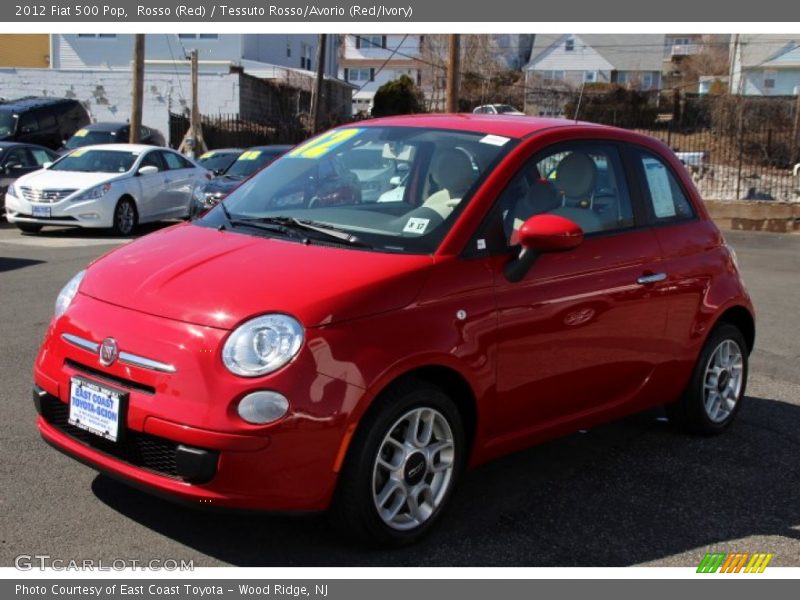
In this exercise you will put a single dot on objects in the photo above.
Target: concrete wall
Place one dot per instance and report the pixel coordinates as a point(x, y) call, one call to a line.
point(107, 94)
point(780, 217)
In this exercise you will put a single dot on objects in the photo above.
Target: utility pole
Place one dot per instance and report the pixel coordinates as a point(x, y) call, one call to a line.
point(316, 96)
point(453, 71)
point(796, 129)
point(193, 143)
point(138, 89)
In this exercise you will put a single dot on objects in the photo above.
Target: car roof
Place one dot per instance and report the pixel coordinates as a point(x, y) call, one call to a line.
point(512, 126)
point(226, 150)
point(121, 147)
point(5, 145)
point(105, 126)
point(30, 102)
point(278, 147)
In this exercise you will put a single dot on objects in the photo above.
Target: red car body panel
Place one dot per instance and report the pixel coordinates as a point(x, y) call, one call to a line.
point(575, 343)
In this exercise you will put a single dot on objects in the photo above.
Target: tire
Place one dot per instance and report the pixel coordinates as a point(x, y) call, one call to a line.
point(711, 402)
point(125, 217)
point(29, 227)
point(365, 480)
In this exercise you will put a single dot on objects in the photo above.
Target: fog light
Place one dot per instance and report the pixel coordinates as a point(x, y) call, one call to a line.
point(262, 407)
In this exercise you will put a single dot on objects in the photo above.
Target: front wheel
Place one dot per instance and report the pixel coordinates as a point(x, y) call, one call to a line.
point(716, 389)
point(402, 466)
point(125, 217)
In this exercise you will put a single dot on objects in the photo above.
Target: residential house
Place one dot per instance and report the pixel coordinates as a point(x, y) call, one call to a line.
point(765, 64)
point(565, 62)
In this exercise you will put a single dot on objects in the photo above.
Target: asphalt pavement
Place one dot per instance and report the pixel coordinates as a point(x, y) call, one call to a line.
point(629, 493)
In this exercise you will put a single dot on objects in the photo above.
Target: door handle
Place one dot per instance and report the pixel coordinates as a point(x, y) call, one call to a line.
point(652, 278)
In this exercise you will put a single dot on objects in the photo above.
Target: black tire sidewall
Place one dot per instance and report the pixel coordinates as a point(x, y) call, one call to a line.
point(698, 419)
point(29, 227)
point(356, 483)
point(115, 227)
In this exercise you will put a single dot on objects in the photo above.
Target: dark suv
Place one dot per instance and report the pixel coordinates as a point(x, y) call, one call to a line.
point(44, 121)
point(110, 133)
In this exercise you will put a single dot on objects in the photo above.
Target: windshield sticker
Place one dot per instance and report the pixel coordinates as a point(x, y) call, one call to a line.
point(81, 133)
point(207, 155)
point(416, 225)
point(494, 140)
point(323, 144)
point(249, 155)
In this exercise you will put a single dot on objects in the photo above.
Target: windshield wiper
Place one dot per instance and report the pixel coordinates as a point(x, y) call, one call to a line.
point(320, 229)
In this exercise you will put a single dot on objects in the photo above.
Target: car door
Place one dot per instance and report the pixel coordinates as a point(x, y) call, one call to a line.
point(180, 180)
point(579, 334)
point(152, 189)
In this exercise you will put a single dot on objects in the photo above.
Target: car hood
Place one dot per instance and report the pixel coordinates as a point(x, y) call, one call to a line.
point(223, 184)
point(46, 179)
point(218, 278)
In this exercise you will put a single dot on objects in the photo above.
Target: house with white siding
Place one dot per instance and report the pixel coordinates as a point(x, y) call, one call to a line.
point(765, 65)
point(570, 60)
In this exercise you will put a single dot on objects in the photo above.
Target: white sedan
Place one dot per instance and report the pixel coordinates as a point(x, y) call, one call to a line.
point(113, 186)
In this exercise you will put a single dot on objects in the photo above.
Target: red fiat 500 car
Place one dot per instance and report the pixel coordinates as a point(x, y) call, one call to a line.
point(531, 278)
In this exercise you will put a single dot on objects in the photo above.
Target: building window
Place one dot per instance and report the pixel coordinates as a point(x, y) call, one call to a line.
point(622, 77)
point(305, 57)
point(288, 50)
point(589, 76)
point(569, 45)
point(553, 75)
point(647, 81)
point(359, 75)
point(769, 79)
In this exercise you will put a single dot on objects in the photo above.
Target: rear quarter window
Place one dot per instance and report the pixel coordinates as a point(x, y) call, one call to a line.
point(666, 197)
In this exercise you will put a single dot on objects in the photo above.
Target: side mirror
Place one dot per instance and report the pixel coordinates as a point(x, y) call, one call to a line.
point(11, 167)
point(147, 170)
point(540, 234)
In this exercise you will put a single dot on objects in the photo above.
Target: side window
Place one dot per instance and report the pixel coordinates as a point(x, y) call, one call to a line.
point(47, 121)
point(19, 156)
point(667, 199)
point(583, 182)
point(41, 156)
point(152, 159)
point(174, 161)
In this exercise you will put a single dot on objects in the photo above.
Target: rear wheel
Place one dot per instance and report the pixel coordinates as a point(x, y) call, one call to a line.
point(29, 227)
point(402, 466)
point(715, 392)
point(125, 217)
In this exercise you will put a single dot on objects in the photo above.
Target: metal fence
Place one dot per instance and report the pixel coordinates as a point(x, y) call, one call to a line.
point(735, 147)
point(229, 131)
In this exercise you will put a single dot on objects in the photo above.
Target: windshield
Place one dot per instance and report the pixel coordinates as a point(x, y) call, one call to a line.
point(216, 160)
point(84, 137)
point(96, 161)
point(8, 123)
point(395, 188)
point(249, 162)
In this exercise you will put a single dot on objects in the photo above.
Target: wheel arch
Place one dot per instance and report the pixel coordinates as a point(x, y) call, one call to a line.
point(741, 318)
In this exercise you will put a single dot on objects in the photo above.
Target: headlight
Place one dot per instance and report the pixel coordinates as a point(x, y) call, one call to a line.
point(262, 345)
point(67, 293)
point(198, 193)
point(12, 190)
point(94, 193)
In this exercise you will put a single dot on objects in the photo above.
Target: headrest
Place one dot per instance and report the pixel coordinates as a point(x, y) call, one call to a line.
point(452, 170)
point(576, 175)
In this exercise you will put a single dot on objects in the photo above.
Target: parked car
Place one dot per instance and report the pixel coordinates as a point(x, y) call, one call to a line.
point(113, 186)
point(247, 163)
point(18, 159)
point(111, 133)
point(44, 121)
point(497, 109)
point(217, 161)
point(286, 355)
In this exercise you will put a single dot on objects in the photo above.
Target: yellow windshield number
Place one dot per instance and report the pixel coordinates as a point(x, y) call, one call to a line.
point(325, 143)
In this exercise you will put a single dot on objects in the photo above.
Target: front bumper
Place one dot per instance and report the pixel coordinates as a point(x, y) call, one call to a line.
point(85, 213)
point(183, 438)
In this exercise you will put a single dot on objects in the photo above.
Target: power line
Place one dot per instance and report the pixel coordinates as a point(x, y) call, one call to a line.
point(372, 79)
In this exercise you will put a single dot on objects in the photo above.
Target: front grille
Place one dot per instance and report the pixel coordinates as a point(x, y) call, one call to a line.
point(46, 196)
point(141, 450)
point(98, 374)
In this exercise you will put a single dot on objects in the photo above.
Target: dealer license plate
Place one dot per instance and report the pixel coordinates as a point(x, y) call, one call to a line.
point(95, 408)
